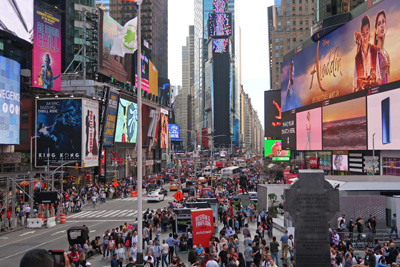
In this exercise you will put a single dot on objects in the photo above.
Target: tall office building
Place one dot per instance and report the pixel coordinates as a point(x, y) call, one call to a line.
point(289, 24)
point(183, 107)
point(154, 27)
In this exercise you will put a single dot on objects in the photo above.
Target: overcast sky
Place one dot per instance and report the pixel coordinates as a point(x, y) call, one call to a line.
point(254, 24)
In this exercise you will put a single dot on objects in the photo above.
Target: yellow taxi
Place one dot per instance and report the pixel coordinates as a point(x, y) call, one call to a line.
point(203, 180)
point(173, 187)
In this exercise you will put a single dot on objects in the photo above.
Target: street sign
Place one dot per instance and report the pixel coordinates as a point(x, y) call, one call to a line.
point(115, 184)
point(178, 196)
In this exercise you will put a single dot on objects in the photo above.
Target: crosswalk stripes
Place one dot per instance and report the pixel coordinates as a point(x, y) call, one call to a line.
point(104, 214)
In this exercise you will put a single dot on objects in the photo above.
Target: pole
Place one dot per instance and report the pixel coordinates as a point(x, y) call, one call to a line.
point(139, 140)
point(31, 151)
point(373, 154)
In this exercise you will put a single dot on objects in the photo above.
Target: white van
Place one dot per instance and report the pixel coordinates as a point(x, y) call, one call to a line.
point(206, 172)
point(230, 172)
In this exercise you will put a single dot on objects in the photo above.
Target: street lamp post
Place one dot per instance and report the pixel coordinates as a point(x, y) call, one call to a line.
point(33, 137)
point(373, 154)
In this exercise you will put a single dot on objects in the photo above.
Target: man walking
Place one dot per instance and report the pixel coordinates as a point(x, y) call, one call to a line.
point(284, 240)
point(274, 246)
point(393, 227)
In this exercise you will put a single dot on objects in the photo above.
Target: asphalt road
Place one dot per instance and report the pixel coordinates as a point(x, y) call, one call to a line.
point(109, 215)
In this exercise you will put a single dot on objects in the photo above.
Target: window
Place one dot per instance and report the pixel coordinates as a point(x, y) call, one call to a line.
point(279, 29)
point(287, 2)
point(281, 47)
point(288, 8)
point(306, 22)
point(276, 54)
point(288, 29)
point(276, 40)
point(25, 117)
point(294, 8)
point(306, 8)
point(279, 23)
point(294, 22)
point(288, 39)
point(277, 69)
point(281, 54)
point(288, 23)
point(281, 40)
point(288, 47)
point(293, 1)
point(277, 47)
point(300, 8)
point(300, 1)
point(23, 135)
point(288, 14)
point(301, 22)
point(294, 39)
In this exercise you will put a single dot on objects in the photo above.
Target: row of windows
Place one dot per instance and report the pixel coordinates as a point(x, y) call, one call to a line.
point(298, 1)
point(277, 40)
point(294, 29)
point(294, 22)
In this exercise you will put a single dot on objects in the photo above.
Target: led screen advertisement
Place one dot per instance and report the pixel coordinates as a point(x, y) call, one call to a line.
point(118, 67)
point(90, 130)
point(383, 124)
point(340, 161)
point(164, 133)
point(236, 133)
point(16, 18)
point(288, 131)
point(111, 118)
point(46, 53)
point(9, 101)
point(153, 79)
point(219, 24)
point(126, 130)
point(273, 148)
point(174, 131)
point(335, 65)
point(272, 114)
point(59, 131)
point(308, 130)
point(345, 125)
point(164, 90)
point(220, 46)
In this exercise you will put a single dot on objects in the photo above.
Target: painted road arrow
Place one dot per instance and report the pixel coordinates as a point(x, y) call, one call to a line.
point(59, 232)
point(27, 233)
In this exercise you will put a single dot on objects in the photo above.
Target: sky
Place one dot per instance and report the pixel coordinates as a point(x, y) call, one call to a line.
point(254, 25)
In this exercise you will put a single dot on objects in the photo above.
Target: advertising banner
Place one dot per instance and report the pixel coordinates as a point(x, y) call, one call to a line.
point(153, 79)
point(174, 131)
point(203, 226)
point(345, 125)
point(273, 149)
point(204, 138)
point(308, 130)
point(59, 130)
point(9, 101)
point(236, 133)
point(383, 124)
point(340, 161)
point(360, 55)
point(272, 114)
point(164, 90)
point(17, 18)
point(118, 67)
point(288, 131)
point(46, 53)
point(314, 162)
point(164, 133)
point(90, 131)
point(126, 130)
point(111, 118)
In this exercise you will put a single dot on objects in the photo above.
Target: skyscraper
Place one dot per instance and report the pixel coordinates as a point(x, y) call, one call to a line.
point(154, 27)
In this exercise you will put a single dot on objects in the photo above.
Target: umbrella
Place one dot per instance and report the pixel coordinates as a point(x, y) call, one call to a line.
point(24, 183)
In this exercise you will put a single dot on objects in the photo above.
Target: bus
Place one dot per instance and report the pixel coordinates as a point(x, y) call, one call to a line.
point(241, 163)
point(230, 172)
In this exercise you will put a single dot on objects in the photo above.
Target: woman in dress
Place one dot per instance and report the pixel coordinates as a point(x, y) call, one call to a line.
point(379, 41)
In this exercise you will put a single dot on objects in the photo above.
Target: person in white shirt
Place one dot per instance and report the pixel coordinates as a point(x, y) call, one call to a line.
point(212, 262)
point(149, 258)
point(133, 252)
point(164, 253)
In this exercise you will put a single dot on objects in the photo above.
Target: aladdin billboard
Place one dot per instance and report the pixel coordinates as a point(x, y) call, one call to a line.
point(46, 53)
point(356, 57)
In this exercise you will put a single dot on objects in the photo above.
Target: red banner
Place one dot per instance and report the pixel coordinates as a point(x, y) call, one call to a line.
point(314, 162)
point(203, 226)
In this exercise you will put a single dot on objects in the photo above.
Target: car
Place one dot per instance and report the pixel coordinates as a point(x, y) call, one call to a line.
point(203, 180)
point(155, 195)
point(173, 187)
point(164, 191)
point(253, 196)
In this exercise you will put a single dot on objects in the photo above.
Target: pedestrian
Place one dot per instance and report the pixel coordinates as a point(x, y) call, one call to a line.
point(274, 246)
point(256, 254)
point(111, 245)
point(114, 260)
point(131, 262)
point(270, 225)
point(393, 226)
point(133, 252)
point(170, 242)
point(291, 246)
point(157, 251)
point(350, 226)
point(248, 251)
point(285, 246)
point(164, 253)
point(94, 200)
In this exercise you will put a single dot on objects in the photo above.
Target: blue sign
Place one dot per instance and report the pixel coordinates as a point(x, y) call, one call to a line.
point(111, 119)
point(174, 130)
point(235, 137)
point(9, 101)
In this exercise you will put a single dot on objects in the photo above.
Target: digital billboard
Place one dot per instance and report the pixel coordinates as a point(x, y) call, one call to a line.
point(220, 46)
point(383, 124)
point(126, 130)
point(174, 131)
point(150, 118)
point(118, 67)
point(236, 132)
point(164, 133)
point(59, 131)
point(340, 161)
point(164, 90)
point(336, 65)
point(145, 85)
point(111, 118)
point(46, 53)
point(9, 101)
point(153, 79)
point(219, 24)
point(273, 149)
point(90, 132)
point(17, 18)
point(308, 130)
point(345, 125)
point(288, 131)
point(272, 114)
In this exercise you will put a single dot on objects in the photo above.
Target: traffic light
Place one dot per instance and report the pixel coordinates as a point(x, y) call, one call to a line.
point(76, 166)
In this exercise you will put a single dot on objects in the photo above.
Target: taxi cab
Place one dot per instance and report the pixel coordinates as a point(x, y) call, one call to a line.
point(173, 187)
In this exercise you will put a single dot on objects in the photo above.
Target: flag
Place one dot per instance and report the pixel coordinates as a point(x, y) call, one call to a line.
point(135, 1)
point(125, 42)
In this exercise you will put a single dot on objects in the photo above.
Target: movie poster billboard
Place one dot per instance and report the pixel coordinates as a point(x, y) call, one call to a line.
point(174, 131)
point(383, 123)
point(164, 133)
point(46, 53)
point(90, 131)
point(345, 125)
point(203, 226)
point(309, 130)
point(360, 55)
point(111, 65)
point(59, 131)
point(272, 114)
point(10, 98)
point(126, 130)
point(111, 118)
